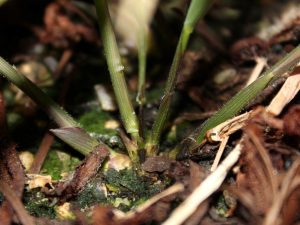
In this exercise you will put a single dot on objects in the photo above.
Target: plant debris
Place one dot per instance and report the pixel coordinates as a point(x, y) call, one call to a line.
point(83, 173)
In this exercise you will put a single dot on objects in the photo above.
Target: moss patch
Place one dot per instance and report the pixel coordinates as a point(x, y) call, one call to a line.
point(59, 162)
point(129, 185)
point(92, 194)
point(94, 122)
point(38, 205)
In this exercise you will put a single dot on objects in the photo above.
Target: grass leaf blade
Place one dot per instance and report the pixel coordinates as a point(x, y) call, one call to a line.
point(242, 98)
point(57, 113)
point(76, 138)
point(116, 68)
point(196, 10)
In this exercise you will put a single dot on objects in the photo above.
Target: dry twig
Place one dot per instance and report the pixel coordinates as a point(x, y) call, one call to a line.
point(205, 189)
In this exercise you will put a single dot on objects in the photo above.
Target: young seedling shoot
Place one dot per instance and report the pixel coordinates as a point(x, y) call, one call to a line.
point(197, 10)
point(116, 70)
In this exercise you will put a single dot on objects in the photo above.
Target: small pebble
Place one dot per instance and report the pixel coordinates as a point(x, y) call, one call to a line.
point(26, 158)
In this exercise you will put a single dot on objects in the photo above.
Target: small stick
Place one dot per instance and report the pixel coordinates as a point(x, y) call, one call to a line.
point(205, 189)
point(260, 65)
point(219, 154)
point(287, 92)
point(228, 127)
point(41, 153)
point(273, 213)
point(16, 203)
point(65, 58)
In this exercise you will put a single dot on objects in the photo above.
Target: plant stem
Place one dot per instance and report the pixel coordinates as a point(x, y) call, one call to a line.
point(58, 114)
point(242, 98)
point(116, 68)
point(236, 104)
point(142, 56)
point(75, 137)
point(142, 51)
point(196, 10)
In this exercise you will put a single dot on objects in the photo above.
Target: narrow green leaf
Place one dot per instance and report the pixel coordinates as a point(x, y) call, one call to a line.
point(57, 113)
point(151, 146)
point(70, 131)
point(77, 138)
point(132, 23)
point(116, 68)
point(197, 9)
point(242, 98)
point(142, 55)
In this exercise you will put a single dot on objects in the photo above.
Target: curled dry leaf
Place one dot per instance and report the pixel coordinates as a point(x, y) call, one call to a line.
point(228, 127)
point(253, 178)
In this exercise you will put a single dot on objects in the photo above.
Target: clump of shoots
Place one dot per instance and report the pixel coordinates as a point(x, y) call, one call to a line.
point(70, 131)
point(197, 10)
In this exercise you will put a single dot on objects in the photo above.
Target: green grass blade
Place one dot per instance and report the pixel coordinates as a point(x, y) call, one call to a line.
point(76, 138)
point(57, 113)
point(142, 55)
point(116, 68)
point(151, 145)
point(242, 98)
point(70, 131)
point(132, 24)
point(196, 10)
